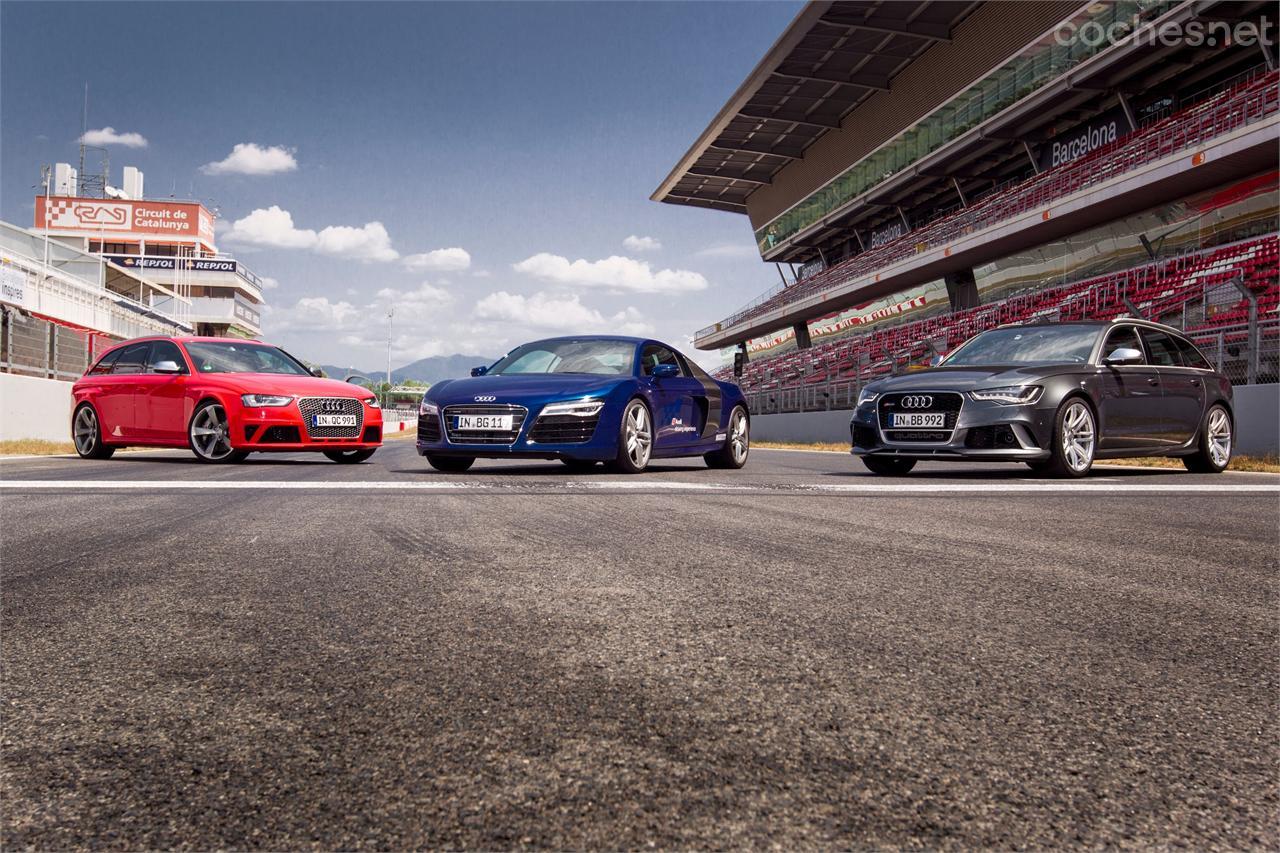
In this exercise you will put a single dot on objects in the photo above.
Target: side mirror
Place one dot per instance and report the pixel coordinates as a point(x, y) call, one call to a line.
point(479, 371)
point(318, 371)
point(665, 371)
point(166, 367)
point(1123, 356)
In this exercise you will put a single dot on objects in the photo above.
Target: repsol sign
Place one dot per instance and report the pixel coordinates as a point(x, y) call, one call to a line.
point(1080, 140)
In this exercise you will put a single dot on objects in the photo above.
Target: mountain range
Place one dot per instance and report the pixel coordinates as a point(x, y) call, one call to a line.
point(431, 369)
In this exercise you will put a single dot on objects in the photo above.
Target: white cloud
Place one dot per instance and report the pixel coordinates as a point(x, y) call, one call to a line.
point(440, 260)
point(367, 243)
point(426, 295)
point(729, 250)
point(249, 158)
point(615, 272)
point(315, 314)
point(269, 283)
point(641, 244)
point(551, 313)
point(274, 227)
point(109, 136)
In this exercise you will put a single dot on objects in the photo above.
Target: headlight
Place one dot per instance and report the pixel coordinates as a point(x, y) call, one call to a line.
point(254, 401)
point(428, 408)
point(865, 396)
point(1009, 394)
point(372, 402)
point(578, 408)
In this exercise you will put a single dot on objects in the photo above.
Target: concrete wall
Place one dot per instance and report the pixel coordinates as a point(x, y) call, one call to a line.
point(1257, 423)
point(34, 408)
point(1257, 419)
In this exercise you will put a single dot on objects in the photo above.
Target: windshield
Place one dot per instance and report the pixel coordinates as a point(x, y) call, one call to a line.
point(1027, 345)
point(606, 358)
point(242, 357)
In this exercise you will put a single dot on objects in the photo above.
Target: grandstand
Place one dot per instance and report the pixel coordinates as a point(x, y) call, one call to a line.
point(921, 171)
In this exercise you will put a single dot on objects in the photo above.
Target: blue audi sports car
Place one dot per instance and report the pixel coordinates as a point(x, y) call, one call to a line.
point(583, 400)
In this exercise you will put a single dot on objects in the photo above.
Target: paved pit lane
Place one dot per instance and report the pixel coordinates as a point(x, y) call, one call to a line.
point(291, 653)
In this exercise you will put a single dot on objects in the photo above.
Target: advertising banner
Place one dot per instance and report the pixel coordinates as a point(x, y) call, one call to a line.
point(155, 263)
point(15, 286)
point(110, 216)
point(1081, 139)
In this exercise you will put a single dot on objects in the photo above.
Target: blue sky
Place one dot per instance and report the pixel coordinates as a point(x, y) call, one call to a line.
point(528, 135)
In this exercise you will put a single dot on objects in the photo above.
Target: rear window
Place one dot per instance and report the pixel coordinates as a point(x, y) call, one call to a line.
point(104, 364)
point(132, 358)
point(1191, 356)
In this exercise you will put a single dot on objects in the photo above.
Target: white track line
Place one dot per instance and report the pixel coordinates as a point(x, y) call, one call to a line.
point(646, 486)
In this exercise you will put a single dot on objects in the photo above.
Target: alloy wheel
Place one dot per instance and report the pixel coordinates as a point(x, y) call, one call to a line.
point(739, 440)
point(85, 431)
point(637, 435)
point(1078, 436)
point(210, 433)
point(1219, 438)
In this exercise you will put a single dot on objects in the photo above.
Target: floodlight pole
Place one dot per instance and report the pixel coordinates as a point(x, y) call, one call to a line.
point(390, 317)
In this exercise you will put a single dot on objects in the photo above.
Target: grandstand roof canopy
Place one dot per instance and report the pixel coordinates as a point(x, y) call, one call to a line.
point(830, 59)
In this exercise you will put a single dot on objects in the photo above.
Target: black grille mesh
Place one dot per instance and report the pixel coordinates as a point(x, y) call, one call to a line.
point(429, 428)
point(949, 403)
point(312, 406)
point(518, 413)
point(563, 429)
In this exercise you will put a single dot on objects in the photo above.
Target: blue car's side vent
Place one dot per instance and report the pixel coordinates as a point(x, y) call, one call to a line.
point(429, 428)
point(563, 429)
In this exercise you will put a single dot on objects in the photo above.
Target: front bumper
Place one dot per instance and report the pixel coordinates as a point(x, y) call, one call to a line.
point(527, 441)
point(284, 428)
point(983, 431)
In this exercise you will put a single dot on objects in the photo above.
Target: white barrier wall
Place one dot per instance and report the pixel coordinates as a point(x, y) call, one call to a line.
point(34, 408)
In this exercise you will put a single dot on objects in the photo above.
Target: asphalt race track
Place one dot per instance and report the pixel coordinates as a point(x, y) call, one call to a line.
point(291, 653)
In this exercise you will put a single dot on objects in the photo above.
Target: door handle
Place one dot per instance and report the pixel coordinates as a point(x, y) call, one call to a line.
point(1153, 381)
point(1195, 383)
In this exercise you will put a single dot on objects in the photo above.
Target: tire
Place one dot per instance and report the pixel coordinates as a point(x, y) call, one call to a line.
point(86, 434)
point(349, 457)
point(888, 466)
point(209, 435)
point(1075, 441)
point(579, 466)
point(635, 438)
point(450, 464)
point(1214, 443)
point(737, 444)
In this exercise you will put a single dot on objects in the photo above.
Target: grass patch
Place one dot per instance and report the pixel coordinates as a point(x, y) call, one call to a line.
point(35, 447)
point(1268, 464)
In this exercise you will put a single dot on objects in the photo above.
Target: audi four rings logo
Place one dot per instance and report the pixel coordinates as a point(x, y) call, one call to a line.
point(331, 405)
point(917, 401)
point(488, 399)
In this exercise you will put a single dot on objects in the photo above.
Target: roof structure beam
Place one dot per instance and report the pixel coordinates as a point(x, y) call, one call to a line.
point(757, 148)
point(915, 29)
point(740, 177)
point(866, 81)
point(811, 121)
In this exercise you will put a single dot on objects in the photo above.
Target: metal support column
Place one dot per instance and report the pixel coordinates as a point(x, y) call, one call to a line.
point(1030, 156)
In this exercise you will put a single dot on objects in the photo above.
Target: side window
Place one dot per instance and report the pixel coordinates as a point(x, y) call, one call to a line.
point(104, 364)
point(1191, 357)
point(1122, 337)
point(653, 355)
point(133, 359)
point(1161, 349)
point(165, 351)
point(691, 368)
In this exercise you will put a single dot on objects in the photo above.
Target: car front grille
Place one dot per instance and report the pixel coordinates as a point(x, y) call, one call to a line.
point(312, 406)
point(563, 429)
point(429, 428)
point(518, 413)
point(948, 403)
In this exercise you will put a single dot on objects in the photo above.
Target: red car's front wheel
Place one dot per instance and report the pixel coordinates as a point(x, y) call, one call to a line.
point(210, 435)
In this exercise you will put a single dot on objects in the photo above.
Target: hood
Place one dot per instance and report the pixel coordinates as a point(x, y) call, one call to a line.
point(303, 386)
point(967, 378)
point(540, 386)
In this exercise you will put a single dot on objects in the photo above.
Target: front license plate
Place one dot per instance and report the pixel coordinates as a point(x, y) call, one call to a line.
point(918, 420)
point(484, 422)
point(334, 420)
